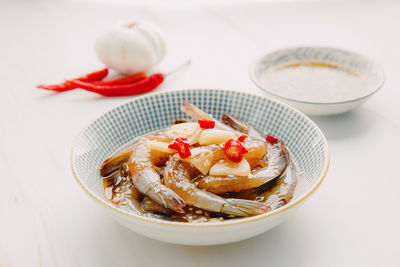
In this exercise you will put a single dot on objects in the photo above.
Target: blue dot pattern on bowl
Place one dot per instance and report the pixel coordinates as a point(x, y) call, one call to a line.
point(333, 56)
point(156, 111)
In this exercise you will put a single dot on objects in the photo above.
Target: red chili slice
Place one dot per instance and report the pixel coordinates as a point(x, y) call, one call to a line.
point(206, 124)
point(242, 138)
point(271, 139)
point(181, 145)
point(234, 150)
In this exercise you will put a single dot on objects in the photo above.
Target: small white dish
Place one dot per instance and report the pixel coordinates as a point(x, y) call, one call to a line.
point(115, 128)
point(305, 92)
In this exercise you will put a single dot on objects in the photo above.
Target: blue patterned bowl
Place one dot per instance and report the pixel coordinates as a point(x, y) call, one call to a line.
point(141, 115)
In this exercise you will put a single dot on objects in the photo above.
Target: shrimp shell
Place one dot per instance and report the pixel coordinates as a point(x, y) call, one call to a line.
point(275, 160)
point(147, 180)
point(178, 176)
point(113, 163)
point(275, 193)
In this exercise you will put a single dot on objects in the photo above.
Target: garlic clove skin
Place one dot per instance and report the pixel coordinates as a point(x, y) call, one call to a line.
point(131, 48)
point(154, 37)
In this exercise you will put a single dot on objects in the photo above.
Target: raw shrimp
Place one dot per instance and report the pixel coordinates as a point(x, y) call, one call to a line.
point(178, 177)
point(113, 163)
point(275, 193)
point(283, 187)
point(147, 180)
point(255, 155)
point(273, 163)
point(276, 161)
point(151, 179)
point(150, 205)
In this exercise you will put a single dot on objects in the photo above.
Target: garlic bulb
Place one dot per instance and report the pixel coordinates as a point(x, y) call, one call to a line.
point(130, 48)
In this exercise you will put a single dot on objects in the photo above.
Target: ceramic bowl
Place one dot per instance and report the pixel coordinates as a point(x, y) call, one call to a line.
point(371, 72)
point(143, 114)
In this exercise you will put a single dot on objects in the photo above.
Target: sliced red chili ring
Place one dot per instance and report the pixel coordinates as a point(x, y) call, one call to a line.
point(181, 145)
point(206, 124)
point(234, 150)
point(242, 138)
point(271, 139)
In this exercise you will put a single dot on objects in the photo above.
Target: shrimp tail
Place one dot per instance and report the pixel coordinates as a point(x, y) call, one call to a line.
point(230, 122)
point(158, 192)
point(197, 114)
point(112, 164)
point(194, 112)
point(149, 204)
point(241, 126)
point(166, 197)
point(235, 123)
point(243, 207)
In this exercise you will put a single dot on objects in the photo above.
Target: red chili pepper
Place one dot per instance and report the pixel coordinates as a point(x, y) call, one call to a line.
point(242, 138)
point(143, 86)
point(206, 124)
point(62, 87)
point(94, 76)
point(65, 86)
point(234, 150)
point(181, 145)
point(123, 80)
point(271, 139)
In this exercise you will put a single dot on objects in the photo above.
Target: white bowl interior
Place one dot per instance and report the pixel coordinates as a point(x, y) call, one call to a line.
point(120, 125)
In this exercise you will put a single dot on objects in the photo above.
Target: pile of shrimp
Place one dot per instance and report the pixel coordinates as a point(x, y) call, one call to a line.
point(152, 179)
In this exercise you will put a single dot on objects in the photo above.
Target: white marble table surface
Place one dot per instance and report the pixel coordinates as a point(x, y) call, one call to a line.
point(45, 220)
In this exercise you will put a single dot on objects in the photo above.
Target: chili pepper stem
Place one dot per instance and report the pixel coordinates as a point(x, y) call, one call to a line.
point(184, 65)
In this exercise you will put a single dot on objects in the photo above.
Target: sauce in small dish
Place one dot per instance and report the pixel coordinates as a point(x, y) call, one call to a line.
point(317, 80)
